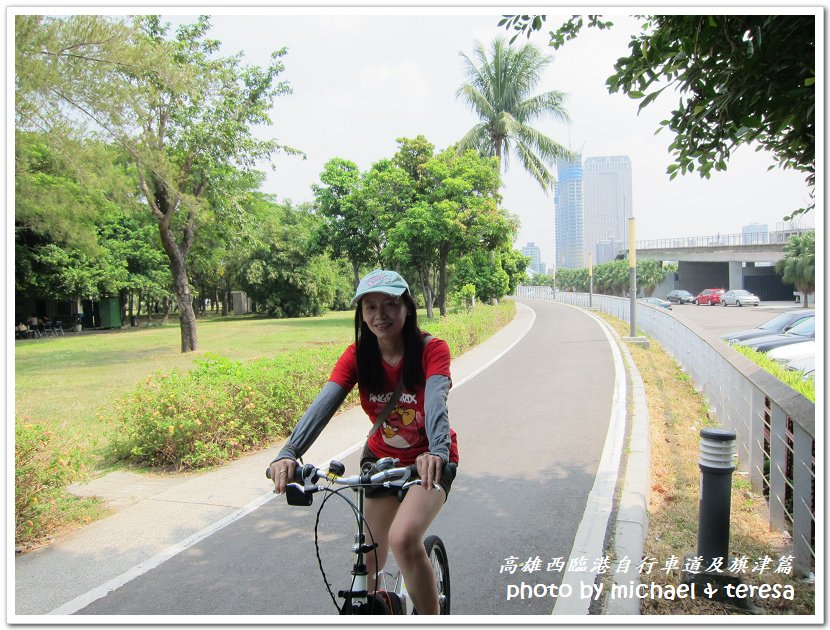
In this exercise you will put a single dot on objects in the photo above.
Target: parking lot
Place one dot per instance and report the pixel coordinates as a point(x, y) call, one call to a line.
point(720, 320)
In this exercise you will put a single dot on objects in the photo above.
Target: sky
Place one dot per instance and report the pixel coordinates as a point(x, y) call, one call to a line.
point(363, 77)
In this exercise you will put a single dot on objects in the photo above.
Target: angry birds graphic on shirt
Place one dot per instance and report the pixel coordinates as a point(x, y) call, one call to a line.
point(401, 427)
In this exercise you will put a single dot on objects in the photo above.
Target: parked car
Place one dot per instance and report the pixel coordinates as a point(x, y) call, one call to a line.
point(775, 326)
point(793, 352)
point(739, 297)
point(708, 296)
point(806, 366)
point(656, 302)
point(800, 332)
point(679, 296)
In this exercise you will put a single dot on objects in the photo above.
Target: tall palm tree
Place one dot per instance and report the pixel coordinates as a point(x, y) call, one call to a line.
point(498, 89)
point(799, 263)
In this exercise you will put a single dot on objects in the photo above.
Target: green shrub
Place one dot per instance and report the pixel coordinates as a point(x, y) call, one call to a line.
point(793, 379)
point(220, 409)
point(42, 469)
point(464, 330)
point(223, 408)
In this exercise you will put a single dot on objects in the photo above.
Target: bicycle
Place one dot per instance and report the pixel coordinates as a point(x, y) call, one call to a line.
point(358, 600)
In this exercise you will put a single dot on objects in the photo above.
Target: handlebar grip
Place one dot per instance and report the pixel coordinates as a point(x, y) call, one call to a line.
point(298, 469)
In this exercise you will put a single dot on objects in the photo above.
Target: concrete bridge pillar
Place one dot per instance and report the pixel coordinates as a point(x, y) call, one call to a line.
point(736, 275)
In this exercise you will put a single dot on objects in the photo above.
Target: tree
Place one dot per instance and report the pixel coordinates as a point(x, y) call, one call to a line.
point(498, 90)
point(286, 274)
point(482, 270)
point(515, 265)
point(348, 229)
point(742, 79)
point(457, 212)
point(650, 273)
point(77, 232)
point(182, 160)
point(799, 263)
point(612, 277)
point(183, 114)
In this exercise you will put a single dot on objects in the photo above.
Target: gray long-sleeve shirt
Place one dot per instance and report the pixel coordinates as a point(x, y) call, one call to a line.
point(332, 395)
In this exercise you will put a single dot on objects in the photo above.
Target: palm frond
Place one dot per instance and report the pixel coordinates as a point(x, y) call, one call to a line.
point(533, 165)
point(547, 104)
point(500, 82)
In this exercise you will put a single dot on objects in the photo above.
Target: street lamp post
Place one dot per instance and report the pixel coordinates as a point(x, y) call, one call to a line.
point(632, 271)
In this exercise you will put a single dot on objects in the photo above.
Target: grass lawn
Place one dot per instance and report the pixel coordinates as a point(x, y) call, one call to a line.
point(69, 383)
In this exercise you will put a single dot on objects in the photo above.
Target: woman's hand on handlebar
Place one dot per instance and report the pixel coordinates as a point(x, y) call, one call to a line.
point(282, 472)
point(429, 469)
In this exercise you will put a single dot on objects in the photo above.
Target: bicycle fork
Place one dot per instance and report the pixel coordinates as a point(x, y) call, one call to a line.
point(356, 599)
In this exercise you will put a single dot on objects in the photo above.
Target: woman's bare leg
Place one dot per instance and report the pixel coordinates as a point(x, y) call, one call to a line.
point(406, 539)
point(379, 514)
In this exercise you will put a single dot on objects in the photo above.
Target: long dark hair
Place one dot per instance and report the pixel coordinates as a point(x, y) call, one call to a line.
point(370, 375)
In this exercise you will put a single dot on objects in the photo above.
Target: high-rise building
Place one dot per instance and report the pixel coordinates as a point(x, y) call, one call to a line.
point(536, 264)
point(568, 214)
point(607, 201)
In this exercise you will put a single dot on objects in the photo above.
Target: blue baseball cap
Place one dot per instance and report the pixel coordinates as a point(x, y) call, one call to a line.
point(381, 281)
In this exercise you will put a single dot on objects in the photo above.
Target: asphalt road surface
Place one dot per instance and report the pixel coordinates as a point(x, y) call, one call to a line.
point(531, 430)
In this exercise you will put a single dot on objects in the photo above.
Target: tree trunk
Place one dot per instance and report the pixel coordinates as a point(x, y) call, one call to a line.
point(122, 302)
point(443, 255)
point(356, 275)
point(181, 288)
point(426, 289)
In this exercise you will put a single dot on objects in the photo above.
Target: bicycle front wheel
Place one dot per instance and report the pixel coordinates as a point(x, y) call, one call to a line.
point(437, 554)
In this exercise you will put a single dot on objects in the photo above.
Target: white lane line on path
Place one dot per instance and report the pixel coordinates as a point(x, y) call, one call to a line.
point(590, 537)
point(503, 352)
point(98, 592)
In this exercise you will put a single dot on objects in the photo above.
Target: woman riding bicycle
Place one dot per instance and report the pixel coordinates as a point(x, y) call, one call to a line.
point(390, 349)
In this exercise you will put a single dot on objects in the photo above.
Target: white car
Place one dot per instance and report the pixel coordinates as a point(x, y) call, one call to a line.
point(739, 297)
point(806, 366)
point(793, 352)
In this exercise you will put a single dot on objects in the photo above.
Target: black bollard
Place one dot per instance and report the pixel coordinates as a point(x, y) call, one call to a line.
point(717, 448)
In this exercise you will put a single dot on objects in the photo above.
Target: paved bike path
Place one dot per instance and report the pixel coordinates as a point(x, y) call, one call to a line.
point(531, 429)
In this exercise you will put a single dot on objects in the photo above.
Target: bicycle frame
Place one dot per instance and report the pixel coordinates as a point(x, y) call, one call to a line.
point(358, 599)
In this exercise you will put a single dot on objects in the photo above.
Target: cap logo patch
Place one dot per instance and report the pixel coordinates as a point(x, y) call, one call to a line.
point(375, 280)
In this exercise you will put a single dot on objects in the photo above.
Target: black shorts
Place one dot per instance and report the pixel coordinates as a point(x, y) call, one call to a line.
point(447, 476)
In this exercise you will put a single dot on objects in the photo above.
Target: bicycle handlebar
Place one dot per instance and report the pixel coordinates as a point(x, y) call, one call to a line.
point(396, 477)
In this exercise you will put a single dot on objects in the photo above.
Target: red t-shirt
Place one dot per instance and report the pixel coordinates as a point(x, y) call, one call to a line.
point(403, 435)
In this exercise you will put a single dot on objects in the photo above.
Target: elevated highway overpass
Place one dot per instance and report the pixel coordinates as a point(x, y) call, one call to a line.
point(731, 261)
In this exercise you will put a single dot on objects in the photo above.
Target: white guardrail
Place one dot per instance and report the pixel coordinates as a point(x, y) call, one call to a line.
point(775, 425)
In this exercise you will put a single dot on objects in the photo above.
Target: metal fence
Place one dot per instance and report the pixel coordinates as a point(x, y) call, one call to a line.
point(775, 425)
point(750, 238)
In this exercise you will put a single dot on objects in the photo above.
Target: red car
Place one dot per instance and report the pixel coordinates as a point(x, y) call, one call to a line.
point(709, 296)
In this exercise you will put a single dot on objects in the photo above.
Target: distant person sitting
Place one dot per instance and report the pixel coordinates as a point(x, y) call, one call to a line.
point(45, 323)
point(22, 329)
point(34, 322)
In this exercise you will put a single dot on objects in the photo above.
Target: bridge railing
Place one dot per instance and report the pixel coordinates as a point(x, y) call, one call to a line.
point(713, 240)
point(775, 425)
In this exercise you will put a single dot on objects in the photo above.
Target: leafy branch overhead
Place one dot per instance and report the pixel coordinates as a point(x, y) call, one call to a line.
point(741, 79)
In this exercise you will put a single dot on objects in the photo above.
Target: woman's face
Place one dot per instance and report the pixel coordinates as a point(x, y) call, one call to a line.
point(384, 314)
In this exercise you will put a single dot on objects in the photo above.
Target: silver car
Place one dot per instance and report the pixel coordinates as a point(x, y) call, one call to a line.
point(739, 297)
